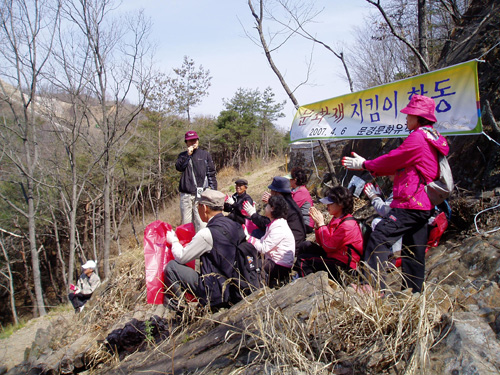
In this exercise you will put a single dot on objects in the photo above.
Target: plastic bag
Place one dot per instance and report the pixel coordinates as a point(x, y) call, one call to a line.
point(157, 253)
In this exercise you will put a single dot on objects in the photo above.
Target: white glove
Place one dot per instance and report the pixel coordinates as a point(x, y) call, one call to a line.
point(249, 208)
point(354, 163)
point(78, 290)
point(229, 200)
point(372, 191)
point(174, 241)
point(266, 196)
point(172, 237)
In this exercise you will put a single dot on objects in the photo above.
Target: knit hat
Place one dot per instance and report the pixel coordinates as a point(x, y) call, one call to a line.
point(422, 106)
point(280, 184)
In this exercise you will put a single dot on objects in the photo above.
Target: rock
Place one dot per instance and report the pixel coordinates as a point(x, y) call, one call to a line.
point(469, 348)
point(218, 339)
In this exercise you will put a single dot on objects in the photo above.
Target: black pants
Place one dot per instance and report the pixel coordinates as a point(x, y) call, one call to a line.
point(78, 299)
point(412, 225)
point(276, 275)
point(313, 258)
point(179, 278)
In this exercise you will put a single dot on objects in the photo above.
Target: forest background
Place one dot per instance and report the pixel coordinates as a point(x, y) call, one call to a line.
point(91, 127)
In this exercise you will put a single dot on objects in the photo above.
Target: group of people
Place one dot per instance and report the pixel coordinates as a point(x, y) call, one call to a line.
point(289, 215)
point(222, 222)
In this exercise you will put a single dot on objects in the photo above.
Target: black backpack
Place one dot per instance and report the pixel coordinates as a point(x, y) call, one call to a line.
point(366, 231)
point(247, 271)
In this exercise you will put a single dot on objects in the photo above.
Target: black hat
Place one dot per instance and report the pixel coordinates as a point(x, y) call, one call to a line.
point(241, 181)
point(280, 184)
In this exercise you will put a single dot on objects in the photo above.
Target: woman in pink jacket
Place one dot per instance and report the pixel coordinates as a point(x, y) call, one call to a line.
point(414, 164)
point(301, 196)
point(339, 244)
point(277, 244)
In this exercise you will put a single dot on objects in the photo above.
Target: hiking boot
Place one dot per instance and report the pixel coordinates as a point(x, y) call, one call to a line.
point(173, 305)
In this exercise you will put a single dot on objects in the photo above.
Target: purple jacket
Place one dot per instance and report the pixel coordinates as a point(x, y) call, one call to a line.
point(415, 161)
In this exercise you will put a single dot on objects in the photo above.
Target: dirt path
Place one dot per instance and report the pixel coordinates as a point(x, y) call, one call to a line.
point(12, 348)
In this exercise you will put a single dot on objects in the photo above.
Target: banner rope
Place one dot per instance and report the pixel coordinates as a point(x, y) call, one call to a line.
point(492, 48)
point(491, 139)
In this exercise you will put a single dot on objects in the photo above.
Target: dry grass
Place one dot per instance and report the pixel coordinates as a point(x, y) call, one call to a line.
point(352, 332)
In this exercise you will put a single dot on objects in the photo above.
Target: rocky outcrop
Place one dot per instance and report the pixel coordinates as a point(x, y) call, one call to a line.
point(328, 328)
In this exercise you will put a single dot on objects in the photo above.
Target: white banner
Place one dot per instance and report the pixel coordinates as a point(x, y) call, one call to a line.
point(375, 113)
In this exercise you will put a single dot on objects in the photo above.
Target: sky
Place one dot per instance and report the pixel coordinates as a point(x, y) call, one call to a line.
point(212, 33)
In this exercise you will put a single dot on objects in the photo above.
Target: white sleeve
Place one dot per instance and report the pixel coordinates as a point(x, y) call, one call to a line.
point(201, 243)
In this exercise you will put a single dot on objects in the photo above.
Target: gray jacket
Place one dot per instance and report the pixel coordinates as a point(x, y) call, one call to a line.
point(86, 284)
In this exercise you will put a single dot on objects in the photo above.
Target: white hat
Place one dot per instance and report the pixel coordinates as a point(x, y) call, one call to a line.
point(89, 264)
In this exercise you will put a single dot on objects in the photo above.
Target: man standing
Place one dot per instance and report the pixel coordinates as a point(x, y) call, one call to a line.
point(215, 245)
point(198, 173)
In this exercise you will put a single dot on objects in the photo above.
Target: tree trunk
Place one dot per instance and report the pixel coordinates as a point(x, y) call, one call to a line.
point(35, 261)
point(59, 251)
point(11, 284)
point(422, 33)
point(107, 218)
point(72, 226)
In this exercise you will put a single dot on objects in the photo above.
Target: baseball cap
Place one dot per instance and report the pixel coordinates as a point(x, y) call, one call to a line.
point(191, 135)
point(89, 264)
point(241, 181)
point(212, 198)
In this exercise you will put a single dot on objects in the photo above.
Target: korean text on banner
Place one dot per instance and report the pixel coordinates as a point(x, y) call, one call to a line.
point(375, 113)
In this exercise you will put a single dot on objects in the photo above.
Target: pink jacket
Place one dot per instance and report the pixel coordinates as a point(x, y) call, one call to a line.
point(278, 243)
point(303, 199)
point(415, 160)
point(335, 237)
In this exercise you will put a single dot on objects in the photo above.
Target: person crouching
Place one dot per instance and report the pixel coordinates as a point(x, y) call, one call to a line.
point(88, 282)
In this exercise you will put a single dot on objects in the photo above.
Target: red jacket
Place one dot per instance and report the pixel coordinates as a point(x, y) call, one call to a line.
point(335, 237)
point(415, 160)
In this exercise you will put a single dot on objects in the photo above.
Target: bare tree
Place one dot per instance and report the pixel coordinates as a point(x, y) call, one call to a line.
point(26, 30)
point(118, 67)
point(9, 275)
point(400, 35)
point(259, 26)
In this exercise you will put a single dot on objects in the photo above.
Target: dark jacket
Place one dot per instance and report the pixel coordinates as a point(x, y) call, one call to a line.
point(237, 206)
point(294, 219)
point(204, 171)
point(217, 265)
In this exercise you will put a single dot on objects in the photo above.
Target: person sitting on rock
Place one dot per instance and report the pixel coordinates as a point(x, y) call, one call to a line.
point(279, 186)
point(234, 203)
point(278, 243)
point(339, 244)
point(88, 282)
point(215, 246)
